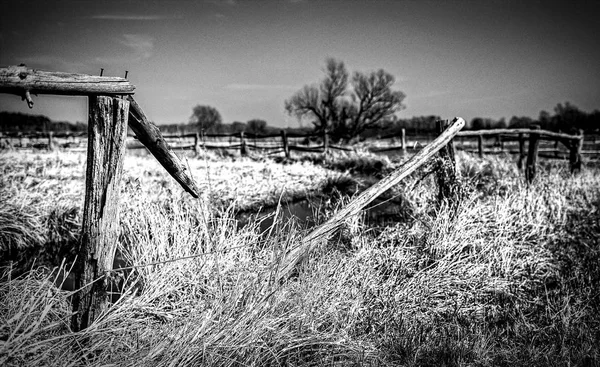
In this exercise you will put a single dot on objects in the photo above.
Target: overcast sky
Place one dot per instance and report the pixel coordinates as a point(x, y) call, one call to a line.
point(451, 58)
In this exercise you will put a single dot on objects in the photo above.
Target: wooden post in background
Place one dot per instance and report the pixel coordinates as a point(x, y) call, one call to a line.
point(325, 142)
point(197, 143)
point(575, 153)
point(107, 132)
point(286, 147)
point(403, 141)
point(480, 145)
point(243, 149)
point(521, 151)
point(50, 141)
point(534, 140)
point(448, 185)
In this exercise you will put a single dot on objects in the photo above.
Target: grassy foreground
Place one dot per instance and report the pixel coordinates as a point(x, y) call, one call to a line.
point(512, 279)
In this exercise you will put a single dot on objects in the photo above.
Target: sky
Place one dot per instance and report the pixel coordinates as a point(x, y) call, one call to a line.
point(486, 58)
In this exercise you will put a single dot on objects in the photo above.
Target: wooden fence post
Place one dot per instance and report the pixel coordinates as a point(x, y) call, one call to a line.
point(403, 141)
point(325, 142)
point(197, 143)
point(521, 151)
point(107, 132)
point(534, 140)
point(575, 153)
point(286, 147)
point(50, 141)
point(480, 145)
point(243, 150)
point(448, 185)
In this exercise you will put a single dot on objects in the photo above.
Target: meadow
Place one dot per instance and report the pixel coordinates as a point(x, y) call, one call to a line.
point(510, 277)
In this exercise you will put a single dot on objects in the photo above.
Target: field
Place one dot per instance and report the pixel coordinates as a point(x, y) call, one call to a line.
point(512, 277)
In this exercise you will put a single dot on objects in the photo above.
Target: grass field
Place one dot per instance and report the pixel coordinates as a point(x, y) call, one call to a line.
point(512, 279)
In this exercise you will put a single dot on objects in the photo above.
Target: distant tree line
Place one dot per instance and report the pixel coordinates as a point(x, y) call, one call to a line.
point(567, 118)
point(24, 123)
point(208, 120)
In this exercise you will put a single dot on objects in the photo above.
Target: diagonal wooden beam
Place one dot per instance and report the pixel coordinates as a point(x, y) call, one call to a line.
point(149, 135)
point(319, 236)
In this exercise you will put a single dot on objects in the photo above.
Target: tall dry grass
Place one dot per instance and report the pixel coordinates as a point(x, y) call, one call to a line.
point(511, 279)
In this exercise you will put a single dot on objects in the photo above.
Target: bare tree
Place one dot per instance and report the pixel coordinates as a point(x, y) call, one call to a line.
point(347, 110)
point(238, 126)
point(321, 104)
point(374, 101)
point(206, 117)
point(256, 126)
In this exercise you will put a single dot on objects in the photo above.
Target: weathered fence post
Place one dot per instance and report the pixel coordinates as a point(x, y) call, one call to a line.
point(575, 153)
point(197, 143)
point(286, 146)
point(243, 149)
point(325, 142)
point(448, 185)
point(534, 140)
point(521, 151)
point(403, 141)
point(50, 141)
point(480, 145)
point(107, 132)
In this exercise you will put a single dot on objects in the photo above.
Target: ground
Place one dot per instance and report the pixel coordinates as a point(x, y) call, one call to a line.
point(509, 278)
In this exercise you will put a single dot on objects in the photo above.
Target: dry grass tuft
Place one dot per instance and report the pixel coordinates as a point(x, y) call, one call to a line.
point(20, 228)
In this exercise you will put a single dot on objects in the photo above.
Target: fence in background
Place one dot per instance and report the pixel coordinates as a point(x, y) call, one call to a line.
point(551, 145)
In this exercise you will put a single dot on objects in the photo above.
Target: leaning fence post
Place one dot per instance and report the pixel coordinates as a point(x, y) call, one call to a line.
point(243, 150)
point(534, 140)
point(286, 147)
point(448, 185)
point(480, 145)
point(521, 151)
point(107, 132)
point(320, 235)
point(575, 153)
